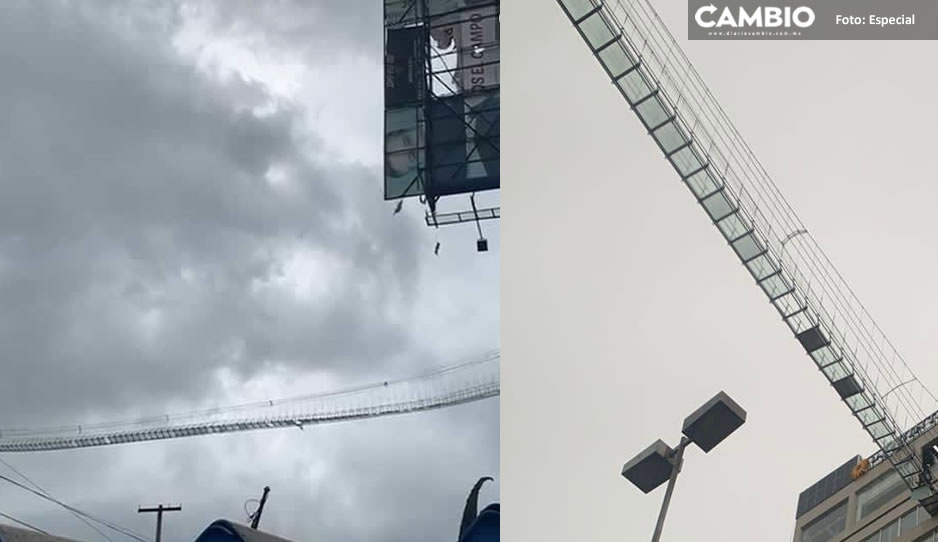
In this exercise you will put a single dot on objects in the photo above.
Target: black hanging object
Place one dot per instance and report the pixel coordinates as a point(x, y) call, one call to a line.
point(472, 506)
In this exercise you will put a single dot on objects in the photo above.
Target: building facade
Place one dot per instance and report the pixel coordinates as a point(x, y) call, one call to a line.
point(856, 503)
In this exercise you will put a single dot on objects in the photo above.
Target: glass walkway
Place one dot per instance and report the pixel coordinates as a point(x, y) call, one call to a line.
point(645, 76)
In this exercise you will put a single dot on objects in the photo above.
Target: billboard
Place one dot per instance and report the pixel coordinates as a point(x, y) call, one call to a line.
point(441, 124)
point(464, 36)
point(404, 58)
point(464, 143)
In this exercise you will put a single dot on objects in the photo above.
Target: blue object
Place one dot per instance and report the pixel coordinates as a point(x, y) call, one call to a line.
point(485, 528)
point(227, 531)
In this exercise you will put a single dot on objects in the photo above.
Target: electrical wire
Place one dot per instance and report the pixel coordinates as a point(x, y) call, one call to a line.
point(39, 488)
point(23, 523)
point(108, 524)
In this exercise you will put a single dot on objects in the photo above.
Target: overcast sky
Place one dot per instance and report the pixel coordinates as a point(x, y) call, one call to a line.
point(191, 212)
point(627, 305)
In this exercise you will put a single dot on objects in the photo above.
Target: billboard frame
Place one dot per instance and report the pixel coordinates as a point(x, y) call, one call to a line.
point(477, 138)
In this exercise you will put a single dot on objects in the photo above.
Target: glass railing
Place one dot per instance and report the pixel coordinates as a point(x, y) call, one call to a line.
point(621, 45)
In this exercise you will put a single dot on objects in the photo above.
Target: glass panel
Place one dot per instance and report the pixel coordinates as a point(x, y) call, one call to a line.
point(732, 226)
point(835, 371)
point(775, 286)
point(652, 111)
point(907, 468)
point(702, 184)
point(761, 267)
point(747, 247)
point(824, 355)
point(826, 527)
point(889, 443)
point(801, 322)
point(858, 402)
point(615, 59)
point(890, 532)
point(788, 303)
point(878, 492)
point(718, 206)
point(908, 522)
point(878, 429)
point(873, 538)
point(578, 8)
point(686, 161)
point(870, 415)
point(596, 30)
point(670, 138)
point(634, 86)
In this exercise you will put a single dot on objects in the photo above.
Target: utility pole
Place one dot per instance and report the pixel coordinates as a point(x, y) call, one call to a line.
point(159, 509)
point(677, 461)
point(256, 518)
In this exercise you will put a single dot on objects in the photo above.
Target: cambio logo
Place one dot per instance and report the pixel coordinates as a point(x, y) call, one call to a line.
point(760, 17)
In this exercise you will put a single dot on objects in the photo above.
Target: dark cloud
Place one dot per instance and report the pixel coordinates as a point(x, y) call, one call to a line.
point(329, 31)
point(136, 222)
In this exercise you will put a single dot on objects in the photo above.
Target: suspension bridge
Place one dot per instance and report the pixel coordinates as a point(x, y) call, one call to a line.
point(445, 387)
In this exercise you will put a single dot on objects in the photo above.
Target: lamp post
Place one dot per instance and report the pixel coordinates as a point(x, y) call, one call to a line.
point(706, 427)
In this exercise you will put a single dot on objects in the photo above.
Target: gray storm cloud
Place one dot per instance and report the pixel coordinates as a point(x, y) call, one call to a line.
point(135, 191)
point(147, 216)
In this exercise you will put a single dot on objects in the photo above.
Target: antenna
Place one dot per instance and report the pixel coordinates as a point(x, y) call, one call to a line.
point(256, 516)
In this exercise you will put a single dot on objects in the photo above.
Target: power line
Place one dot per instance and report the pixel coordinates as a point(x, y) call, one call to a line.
point(108, 524)
point(23, 523)
point(38, 487)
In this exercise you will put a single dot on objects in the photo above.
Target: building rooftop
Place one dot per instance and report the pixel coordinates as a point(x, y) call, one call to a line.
point(8, 533)
point(867, 500)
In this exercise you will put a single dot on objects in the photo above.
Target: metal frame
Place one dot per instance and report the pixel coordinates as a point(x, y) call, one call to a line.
point(893, 445)
point(418, 11)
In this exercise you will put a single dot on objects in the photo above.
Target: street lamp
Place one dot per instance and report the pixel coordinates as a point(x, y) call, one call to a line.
point(706, 427)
